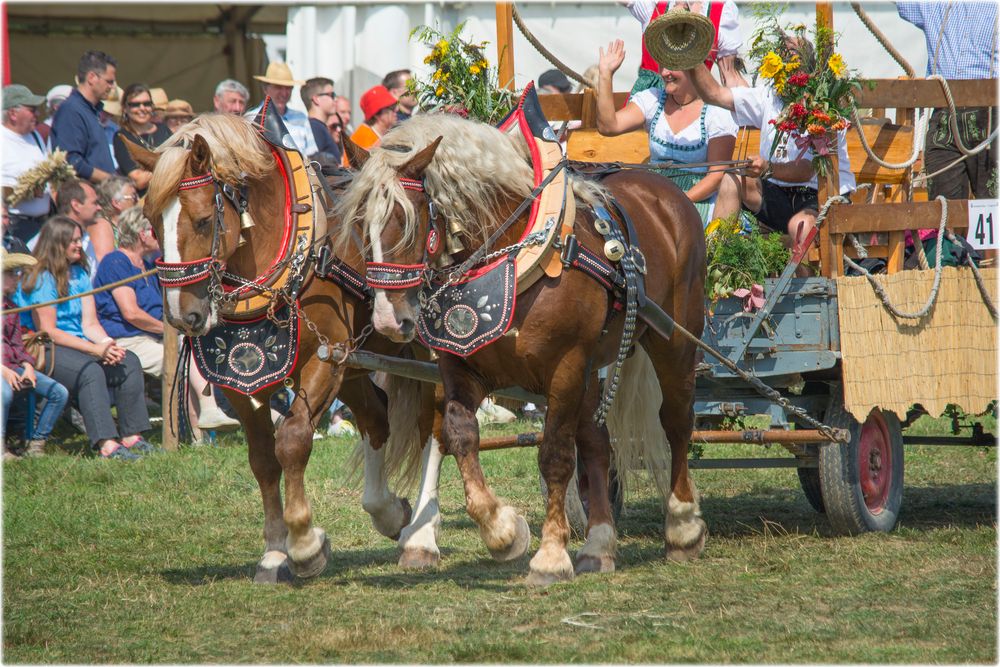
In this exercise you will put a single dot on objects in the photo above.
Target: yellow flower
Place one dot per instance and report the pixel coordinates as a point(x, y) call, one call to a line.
point(792, 64)
point(442, 46)
point(483, 64)
point(474, 69)
point(439, 91)
point(770, 65)
point(836, 64)
point(428, 59)
point(437, 75)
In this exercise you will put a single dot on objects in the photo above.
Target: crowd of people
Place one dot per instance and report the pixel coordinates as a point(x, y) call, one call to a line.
point(90, 231)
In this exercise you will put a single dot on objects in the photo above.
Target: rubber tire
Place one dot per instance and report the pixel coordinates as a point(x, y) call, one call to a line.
point(576, 506)
point(840, 479)
point(809, 481)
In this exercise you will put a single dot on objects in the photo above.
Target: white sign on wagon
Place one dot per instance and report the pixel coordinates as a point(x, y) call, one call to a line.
point(984, 218)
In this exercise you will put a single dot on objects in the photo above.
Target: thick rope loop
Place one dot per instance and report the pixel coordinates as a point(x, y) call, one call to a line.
point(562, 67)
point(882, 39)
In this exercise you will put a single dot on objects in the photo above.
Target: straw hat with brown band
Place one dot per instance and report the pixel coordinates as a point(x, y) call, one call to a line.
point(679, 39)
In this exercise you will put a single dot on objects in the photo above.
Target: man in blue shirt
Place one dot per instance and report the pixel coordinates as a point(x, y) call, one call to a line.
point(77, 128)
point(961, 40)
point(318, 96)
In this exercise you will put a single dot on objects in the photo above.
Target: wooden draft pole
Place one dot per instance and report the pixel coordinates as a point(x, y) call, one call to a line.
point(505, 44)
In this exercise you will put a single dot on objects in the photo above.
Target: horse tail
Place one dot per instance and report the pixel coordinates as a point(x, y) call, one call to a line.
point(403, 448)
point(633, 421)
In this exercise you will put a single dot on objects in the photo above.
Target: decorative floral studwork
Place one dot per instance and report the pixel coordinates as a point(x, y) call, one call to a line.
point(814, 83)
point(463, 81)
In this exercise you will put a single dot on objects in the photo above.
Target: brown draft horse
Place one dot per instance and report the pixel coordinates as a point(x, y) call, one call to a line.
point(186, 220)
point(562, 330)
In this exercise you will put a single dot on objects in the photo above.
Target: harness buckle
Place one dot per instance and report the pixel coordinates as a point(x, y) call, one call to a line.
point(570, 250)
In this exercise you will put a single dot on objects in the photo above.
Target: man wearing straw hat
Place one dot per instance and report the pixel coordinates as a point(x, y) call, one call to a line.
point(278, 83)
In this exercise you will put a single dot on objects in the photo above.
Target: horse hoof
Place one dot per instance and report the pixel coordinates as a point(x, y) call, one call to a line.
point(315, 564)
point(683, 554)
point(418, 558)
point(407, 517)
point(542, 579)
point(519, 546)
point(585, 564)
point(270, 570)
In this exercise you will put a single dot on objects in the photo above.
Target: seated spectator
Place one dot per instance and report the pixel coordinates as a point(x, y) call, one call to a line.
point(395, 83)
point(177, 113)
point(780, 190)
point(77, 200)
point(160, 102)
point(76, 127)
point(10, 242)
point(133, 313)
point(231, 96)
point(96, 370)
point(56, 96)
point(317, 95)
point(681, 127)
point(379, 107)
point(19, 372)
point(23, 149)
point(138, 127)
point(553, 81)
point(277, 84)
point(114, 196)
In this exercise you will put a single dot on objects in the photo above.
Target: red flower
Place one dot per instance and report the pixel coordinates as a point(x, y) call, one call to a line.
point(797, 110)
point(799, 79)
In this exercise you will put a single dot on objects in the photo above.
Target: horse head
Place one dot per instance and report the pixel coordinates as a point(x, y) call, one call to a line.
point(403, 248)
point(195, 201)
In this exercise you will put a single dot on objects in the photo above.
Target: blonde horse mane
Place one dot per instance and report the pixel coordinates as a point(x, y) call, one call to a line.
point(474, 169)
point(238, 153)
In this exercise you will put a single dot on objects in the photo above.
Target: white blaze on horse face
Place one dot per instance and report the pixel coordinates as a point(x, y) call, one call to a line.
point(384, 316)
point(171, 251)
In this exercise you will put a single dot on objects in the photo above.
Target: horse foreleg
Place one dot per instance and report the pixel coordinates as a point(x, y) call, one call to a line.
point(308, 546)
point(594, 449)
point(503, 530)
point(259, 430)
point(388, 512)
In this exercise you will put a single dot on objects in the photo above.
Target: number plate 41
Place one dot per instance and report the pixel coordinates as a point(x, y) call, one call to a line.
point(983, 220)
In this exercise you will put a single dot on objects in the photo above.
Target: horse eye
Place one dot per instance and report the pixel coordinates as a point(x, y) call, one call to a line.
point(202, 224)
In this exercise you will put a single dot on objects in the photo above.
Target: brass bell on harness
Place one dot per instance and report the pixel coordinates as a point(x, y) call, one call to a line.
point(614, 250)
point(246, 222)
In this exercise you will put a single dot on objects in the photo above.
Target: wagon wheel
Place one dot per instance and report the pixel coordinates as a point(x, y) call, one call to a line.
point(862, 481)
point(576, 502)
point(809, 481)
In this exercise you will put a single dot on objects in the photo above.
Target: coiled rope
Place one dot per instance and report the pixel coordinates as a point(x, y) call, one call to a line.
point(562, 67)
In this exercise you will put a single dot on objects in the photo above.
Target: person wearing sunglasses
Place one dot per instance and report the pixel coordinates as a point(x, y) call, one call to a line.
point(137, 126)
point(318, 96)
point(18, 370)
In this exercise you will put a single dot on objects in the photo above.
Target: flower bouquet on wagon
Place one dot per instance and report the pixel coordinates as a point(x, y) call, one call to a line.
point(810, 78)
point(463, 81)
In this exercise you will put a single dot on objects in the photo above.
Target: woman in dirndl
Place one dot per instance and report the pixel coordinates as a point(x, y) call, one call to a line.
point(681, 127)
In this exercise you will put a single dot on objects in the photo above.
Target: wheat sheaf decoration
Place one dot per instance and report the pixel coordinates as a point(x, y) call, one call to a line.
point(53, 170)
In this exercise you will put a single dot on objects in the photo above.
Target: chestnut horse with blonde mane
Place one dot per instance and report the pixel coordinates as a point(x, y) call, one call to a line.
point(438, 174)
point(195, 226)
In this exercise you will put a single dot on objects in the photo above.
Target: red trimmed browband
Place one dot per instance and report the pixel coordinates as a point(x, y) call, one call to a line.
point(411, 184)
point(195, 182)
point(394, 276)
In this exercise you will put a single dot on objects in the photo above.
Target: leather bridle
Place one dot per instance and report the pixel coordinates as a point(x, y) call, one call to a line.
point(390, 276)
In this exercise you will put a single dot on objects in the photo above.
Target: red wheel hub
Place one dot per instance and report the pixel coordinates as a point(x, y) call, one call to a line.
point(875, 462)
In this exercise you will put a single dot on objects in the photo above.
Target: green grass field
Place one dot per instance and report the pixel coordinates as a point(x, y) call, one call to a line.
point(106, 562)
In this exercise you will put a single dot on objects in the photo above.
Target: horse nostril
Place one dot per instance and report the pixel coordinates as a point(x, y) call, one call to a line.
point(194, 320)
point(406, 327)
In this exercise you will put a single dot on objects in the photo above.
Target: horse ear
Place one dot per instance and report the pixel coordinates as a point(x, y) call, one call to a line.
point(416, 165)
point(143, 157)
point(201, 156)
point(356, 155)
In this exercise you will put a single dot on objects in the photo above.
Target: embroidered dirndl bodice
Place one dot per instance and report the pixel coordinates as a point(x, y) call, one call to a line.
point(671, 150)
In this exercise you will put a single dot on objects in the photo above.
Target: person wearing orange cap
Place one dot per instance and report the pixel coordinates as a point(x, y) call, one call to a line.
point(379, 107)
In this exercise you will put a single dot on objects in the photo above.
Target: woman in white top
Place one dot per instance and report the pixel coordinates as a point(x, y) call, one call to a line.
point(681, 127)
